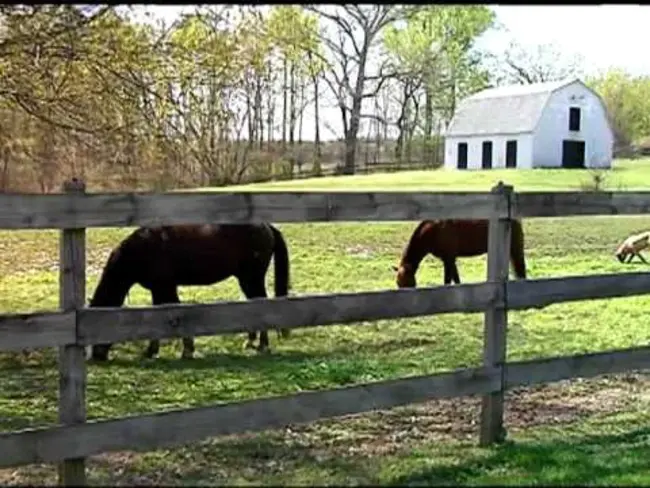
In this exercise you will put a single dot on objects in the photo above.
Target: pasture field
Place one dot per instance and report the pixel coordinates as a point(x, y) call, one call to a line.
point(625, 175)
point(579, 432)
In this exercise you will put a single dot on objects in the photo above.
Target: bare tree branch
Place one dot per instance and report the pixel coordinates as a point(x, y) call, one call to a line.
point(359, 26)
point(544, 63)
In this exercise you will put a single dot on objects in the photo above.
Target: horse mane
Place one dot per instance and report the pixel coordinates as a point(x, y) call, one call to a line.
point(408, 250)
point(115, 280)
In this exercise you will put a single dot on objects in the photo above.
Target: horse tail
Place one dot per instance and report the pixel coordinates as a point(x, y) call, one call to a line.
point(281, 263)
point(517, 254)
point(281, 268)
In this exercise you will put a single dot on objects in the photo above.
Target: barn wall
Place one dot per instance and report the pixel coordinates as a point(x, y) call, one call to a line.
point(553, 127)
point(475, 151)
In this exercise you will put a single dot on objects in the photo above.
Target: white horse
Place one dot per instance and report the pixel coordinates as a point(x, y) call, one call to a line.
point(632, 246)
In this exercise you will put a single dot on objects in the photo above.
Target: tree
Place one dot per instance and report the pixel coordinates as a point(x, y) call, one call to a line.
point(352, 37)
point(293, 31)
point(91, 92)
point(627, 99)
point(434, 51)
point(545, 62)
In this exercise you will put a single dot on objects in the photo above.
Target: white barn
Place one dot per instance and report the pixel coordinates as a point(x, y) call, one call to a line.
point(543, 125)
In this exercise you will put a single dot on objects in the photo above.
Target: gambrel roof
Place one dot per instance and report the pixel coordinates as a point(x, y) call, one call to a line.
point(511, 109)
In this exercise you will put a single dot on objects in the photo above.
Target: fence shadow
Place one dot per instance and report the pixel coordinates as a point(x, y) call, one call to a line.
point(276, 459)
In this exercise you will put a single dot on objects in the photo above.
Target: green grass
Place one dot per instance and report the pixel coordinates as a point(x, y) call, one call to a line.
point(577, 432)
point(625, 175)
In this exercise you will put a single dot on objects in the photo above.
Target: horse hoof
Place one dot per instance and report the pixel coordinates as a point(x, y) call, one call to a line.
point(249, 345)
point(187, 355)
point(264, 350)
point(149, 355)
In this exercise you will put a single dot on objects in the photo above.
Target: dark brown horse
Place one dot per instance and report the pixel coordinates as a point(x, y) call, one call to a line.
point(162, 258)
point(451, 239)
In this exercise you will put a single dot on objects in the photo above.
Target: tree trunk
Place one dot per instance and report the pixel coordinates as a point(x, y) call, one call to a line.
point(258, 111)
point(270, 106)
point(355, 114)
point(301, 114)
point(351, 138)
point(402, 123)
point(318, 149)
point(292, 104)
point(285, 75)
point(428, 120)
point(250, 114)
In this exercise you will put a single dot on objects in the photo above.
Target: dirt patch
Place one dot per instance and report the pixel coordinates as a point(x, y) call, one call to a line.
point(374, 434)
point(389, 431)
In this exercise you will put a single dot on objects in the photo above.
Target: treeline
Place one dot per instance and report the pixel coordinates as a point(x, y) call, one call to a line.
point(628, 103)
point(227, 93)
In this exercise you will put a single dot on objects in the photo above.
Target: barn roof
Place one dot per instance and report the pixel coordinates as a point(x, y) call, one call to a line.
point(504, 110)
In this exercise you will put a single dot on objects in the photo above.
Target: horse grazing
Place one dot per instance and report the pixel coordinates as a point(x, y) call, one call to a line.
point(632, 246)
point(450, 239)
point(162, 258)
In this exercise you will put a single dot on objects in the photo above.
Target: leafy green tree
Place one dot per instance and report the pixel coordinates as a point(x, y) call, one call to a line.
point(434, 52)
point(627, 98)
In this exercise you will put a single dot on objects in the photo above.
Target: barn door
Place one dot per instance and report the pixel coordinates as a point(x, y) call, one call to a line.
point(486, 160)
point(511, 154)
point(462, 155)
point(573, 154)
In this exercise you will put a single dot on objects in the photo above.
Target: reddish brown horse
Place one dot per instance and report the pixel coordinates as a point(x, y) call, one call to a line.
point(162, 258)
point(451, 239)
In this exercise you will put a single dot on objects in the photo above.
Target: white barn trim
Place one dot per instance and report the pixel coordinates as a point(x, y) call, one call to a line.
point(543, 125)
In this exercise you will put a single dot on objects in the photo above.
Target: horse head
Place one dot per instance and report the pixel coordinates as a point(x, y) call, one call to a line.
point(100, 352)
point(622, 251)
point(405, 277)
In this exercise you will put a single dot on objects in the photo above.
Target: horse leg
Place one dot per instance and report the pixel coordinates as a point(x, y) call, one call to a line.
point(253, 287)
point(250, 342)
point(454, 272)
point(447, 265)
point(161, 296)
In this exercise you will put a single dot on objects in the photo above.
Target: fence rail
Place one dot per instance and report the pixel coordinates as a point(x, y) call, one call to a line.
point(100, 325)
point(61, 211)
point(75, 326)
point(157, 430)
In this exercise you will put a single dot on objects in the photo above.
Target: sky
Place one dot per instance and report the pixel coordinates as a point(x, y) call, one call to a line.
point(604, 36)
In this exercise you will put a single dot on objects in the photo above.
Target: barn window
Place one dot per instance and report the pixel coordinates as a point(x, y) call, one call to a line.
point(486, 160)
point(574, 118)
point(462, 155)
point(511, 154)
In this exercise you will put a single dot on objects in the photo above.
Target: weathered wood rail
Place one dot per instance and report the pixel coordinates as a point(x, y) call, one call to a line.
point(74, 326)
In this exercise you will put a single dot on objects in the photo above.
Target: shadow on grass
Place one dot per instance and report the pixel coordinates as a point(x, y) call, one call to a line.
point(597, 459)
point(24, 391)
point(259, 461)
point(276, 459)
point(229, 361)
point(245, 361)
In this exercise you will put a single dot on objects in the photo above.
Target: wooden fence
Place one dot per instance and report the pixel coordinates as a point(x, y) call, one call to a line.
point(75, 327)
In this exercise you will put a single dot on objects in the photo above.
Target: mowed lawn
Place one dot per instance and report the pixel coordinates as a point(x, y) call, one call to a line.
point(625, 175)
point(583, 431)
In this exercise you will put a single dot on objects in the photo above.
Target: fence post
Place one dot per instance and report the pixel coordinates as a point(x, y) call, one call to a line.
point(72, 362)
point(496, 317)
